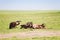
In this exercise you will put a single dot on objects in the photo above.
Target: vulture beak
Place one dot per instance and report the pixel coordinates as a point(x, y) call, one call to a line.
point(18, 21)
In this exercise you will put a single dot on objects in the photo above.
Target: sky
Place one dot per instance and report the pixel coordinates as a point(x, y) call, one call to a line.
point(29, 4)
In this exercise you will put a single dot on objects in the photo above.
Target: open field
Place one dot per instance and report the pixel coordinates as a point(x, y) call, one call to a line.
point(34, 38)
point(34, 33)
point(51, 19)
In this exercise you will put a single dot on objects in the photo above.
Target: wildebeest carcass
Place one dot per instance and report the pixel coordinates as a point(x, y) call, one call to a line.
point(27, 25)
point(38, 26)
point(14, 24)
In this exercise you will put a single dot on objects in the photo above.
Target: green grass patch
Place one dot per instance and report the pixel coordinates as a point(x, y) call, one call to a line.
point(50, 18)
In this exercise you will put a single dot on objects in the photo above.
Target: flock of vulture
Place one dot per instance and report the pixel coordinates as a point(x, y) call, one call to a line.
point(27, 25)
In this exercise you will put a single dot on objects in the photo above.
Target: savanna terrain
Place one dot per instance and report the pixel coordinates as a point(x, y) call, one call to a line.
point(50, 18)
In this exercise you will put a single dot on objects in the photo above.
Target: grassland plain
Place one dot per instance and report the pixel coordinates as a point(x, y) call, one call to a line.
point(34, 38)
point(50, 18)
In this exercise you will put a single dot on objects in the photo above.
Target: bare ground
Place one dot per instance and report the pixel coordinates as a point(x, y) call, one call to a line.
point(34, 33)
